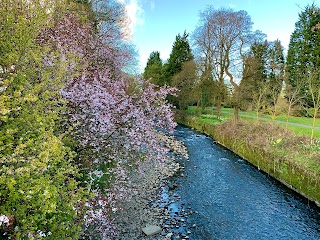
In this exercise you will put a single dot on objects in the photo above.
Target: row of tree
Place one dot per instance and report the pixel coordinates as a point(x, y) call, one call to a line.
point(72, 125)
point(234, 65)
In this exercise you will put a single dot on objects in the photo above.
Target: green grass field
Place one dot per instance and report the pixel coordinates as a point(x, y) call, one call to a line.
point(209, 117)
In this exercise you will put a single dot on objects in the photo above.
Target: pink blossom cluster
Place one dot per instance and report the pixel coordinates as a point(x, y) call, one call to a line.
point(112, 127)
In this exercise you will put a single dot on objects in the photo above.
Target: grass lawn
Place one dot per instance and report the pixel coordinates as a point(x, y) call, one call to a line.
point(209, 117)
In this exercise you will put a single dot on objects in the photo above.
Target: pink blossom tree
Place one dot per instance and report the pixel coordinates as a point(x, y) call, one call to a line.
point(113, 130)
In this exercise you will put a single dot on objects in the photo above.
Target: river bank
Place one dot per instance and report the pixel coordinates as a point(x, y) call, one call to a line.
point(141, 210)
point(231, 199)
point(271, 150)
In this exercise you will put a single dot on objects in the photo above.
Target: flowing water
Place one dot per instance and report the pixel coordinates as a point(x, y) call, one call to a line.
point(221, 196)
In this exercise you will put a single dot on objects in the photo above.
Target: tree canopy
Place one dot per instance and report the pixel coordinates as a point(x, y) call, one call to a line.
point(153, 70)
point(304, 48)
point(180, 53)
point(71, 128)
point(222, 38)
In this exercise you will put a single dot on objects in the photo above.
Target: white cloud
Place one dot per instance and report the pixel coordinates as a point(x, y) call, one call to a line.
point(134, 13)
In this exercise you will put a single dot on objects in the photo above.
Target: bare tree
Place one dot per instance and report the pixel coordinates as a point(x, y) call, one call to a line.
point(275, 73)
point(259, 97)
point(314, 90)
point(223, 37)
point(293, 97)
point(274, 96)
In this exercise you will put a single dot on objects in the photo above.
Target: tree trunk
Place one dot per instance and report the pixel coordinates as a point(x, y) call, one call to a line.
point(219, 107)
point(288, 115)
point(236, 90)
point(235, 113)
point(236, 104)
point(313, 124)
point(197, 108)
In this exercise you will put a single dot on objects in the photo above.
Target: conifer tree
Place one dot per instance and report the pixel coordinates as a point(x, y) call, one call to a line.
point(153, 69)
point(181, 53)
point(304, 49)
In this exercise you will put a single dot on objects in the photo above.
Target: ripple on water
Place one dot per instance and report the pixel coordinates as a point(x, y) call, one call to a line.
point(231, 199)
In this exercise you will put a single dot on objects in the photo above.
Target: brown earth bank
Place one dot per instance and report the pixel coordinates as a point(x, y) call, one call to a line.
point(288, 158)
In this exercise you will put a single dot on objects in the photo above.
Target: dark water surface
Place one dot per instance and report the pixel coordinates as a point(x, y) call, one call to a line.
point(231, 199)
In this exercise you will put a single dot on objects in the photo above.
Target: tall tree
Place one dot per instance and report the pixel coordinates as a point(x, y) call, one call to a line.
point(304, 48)
point(153, 70)
point(254, 73)
point(185, 82)
point(180, 53)
point(224, 35)
point(275, 74)
point(263, 75)
point(314, 91)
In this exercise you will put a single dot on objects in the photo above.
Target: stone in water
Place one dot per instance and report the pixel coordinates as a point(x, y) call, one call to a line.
point(151, 230)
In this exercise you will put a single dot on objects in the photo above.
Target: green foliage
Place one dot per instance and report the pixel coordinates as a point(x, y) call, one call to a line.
point(153, 70)
point(289, 158)
point(38, 187)
point(185, 81)
point(180, 53)
point(38, 178)
point(206, 89)
point(263, 75)
point(304, 49)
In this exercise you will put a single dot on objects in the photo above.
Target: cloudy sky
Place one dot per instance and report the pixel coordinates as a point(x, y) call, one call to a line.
point(155, 23)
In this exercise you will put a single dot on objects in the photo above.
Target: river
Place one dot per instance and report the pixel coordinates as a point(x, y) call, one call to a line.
point(221, 196)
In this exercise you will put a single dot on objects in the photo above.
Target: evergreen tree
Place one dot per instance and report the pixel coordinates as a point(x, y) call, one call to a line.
point(275, 70)
point(153, 69)
point(181, 52)
point(304, 48)
point(263, 73)
point(255, 72)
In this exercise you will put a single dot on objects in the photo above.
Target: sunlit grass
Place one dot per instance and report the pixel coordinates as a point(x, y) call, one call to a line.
point(209, 117)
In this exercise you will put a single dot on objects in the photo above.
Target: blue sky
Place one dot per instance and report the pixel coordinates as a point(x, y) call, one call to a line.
point(155, 23)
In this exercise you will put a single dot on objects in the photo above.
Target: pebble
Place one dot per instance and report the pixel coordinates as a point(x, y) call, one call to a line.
point(169, 235)
point(140, 212)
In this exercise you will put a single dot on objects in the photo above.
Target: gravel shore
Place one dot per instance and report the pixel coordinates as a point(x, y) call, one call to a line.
point(139, 211)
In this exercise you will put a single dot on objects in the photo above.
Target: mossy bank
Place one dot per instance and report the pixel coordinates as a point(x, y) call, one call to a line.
point(282, 155)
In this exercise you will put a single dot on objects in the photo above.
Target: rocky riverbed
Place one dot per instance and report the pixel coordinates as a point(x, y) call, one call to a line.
point(153, 204)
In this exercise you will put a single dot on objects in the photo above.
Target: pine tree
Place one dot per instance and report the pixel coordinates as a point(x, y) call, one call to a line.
point(304, 48)
point(254, 73)
point(275, 71)
point(181, 53)
point(263, 73)
point(153, 69)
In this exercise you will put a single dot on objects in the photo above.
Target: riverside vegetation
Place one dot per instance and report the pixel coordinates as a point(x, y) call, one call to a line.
point(74, 126)
point(80, 136)
point(233, 66)
point(288, 157)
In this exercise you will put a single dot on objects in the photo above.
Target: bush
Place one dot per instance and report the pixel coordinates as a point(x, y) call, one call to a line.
point(38, 188)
